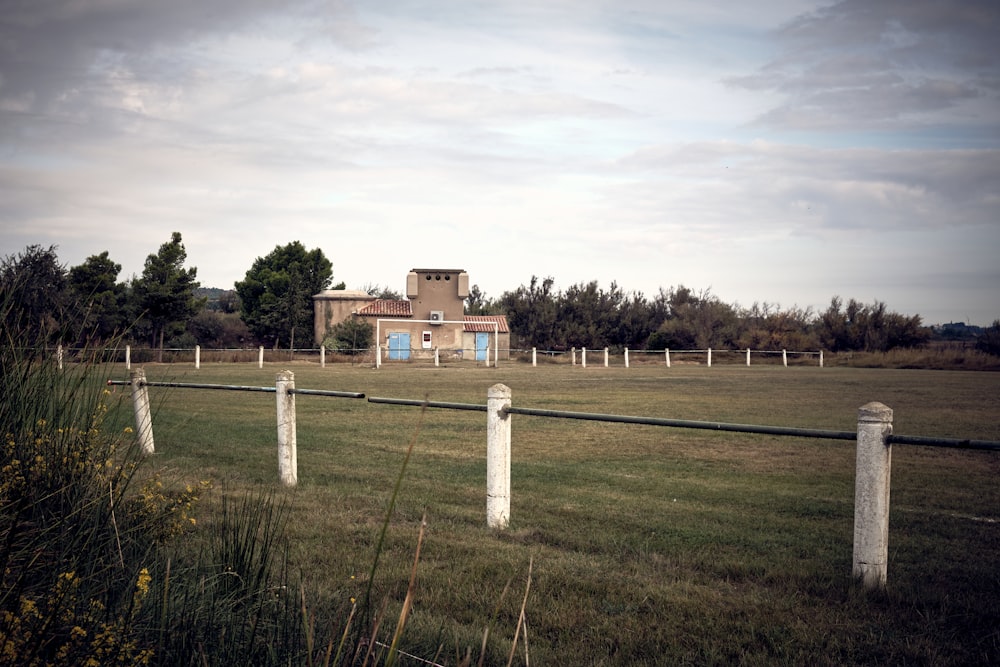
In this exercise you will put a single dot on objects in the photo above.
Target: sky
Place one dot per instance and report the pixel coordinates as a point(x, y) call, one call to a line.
point(777, 151)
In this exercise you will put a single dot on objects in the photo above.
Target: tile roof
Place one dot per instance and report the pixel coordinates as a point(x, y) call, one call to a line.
point(387, 308)
point(484, 323)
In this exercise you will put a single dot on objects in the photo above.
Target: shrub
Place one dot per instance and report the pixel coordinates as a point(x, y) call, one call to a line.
point(350, 336)
point(91, 570)
point(989, 340)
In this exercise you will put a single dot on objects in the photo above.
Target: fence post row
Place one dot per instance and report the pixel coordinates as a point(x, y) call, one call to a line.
point(872, 474)
point(288, 466)
point(497, 456)
point(871, 495)
point(140, 405)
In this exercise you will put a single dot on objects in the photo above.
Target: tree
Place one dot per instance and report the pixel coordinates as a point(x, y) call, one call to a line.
point(477, 303)
point(380, 292)
point(34, 287)
point(989, 340)
point(868, 328)
point(95, 288)
point(165, 292)
point(276, 294)
point(212, 328)
point(350, 336)
point(532, 312)
point(696, 321)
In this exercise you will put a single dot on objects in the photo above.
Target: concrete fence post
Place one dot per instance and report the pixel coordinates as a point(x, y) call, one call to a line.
point(573, 353)
point(322, 356)
point(437, 357)
point(260, 357)
point(605, 357)
point(140, 404)
point(748, 356)
point(378, 355)
point(287, 456)
point(871, 495)
point(784, 358)
point(534, 357)
point(709, 357)
point(667, 354)
point(128, 357)
point(197, 357)
point(498, 456)
point(583, 357)
point(626, 357)
point(821, 358)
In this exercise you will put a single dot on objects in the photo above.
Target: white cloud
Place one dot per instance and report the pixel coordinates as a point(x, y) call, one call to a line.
point(651, 144)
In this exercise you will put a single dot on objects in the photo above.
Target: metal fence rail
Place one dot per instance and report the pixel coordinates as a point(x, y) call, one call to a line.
point(873, 436)
point(235, 387)
point(427, 404)
point(924, 441)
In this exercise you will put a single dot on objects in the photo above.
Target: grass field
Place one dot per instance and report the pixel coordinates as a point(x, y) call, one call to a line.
point(647, 545)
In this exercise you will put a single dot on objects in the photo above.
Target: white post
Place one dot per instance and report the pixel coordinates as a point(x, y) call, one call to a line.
point(709, 357)
point(59, 356)
point(487, 356)
point(821, 358)
point(437, 358)
point(667, 353)
point(260, 357)
point(322, 356)
point(871, 495)
point(626, 357)
point(378, 355)
point(784, 358)
point(497, 457)
point(573, 352)
point(583, 357)
point(748, 356)
point(140, 405)
point(605, 357)
point(287, 455)
point(128, 357)
point(197, 357)
point(534, 357)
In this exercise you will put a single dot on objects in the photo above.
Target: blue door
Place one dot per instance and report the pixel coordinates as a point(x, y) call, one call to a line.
point(482, 346)
point(399, 346)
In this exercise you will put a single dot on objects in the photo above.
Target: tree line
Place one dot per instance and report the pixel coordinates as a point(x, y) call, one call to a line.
point(165, 306)
point(273, 306)
point(679, 318)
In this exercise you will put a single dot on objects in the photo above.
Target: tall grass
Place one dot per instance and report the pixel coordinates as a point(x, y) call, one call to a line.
point(100, 559)
point(109, 558)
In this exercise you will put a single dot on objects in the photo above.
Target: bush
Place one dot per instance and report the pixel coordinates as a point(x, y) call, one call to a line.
point(91, 568)
point(351, 336)
point(989, 340)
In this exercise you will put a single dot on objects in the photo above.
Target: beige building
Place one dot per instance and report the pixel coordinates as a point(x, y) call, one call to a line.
point(431, 317)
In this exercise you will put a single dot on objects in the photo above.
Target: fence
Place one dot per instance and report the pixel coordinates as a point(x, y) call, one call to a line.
point(374, 355)
point(874, 439)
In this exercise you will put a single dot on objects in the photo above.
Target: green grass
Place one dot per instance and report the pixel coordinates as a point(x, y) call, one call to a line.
point(649, 545)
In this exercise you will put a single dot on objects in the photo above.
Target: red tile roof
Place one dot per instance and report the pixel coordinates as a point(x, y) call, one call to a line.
point(387, 308)
point(484, 323)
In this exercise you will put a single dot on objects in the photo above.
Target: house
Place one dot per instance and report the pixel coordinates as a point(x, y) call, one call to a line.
point(431, 317)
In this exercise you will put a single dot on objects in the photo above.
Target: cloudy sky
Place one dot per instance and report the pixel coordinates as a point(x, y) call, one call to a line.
point(780, 151)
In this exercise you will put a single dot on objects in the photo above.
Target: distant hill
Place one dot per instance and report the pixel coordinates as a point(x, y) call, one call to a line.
point(224, 300)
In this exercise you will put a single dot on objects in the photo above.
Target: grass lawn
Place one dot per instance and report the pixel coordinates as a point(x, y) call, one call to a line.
point(647, 545)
